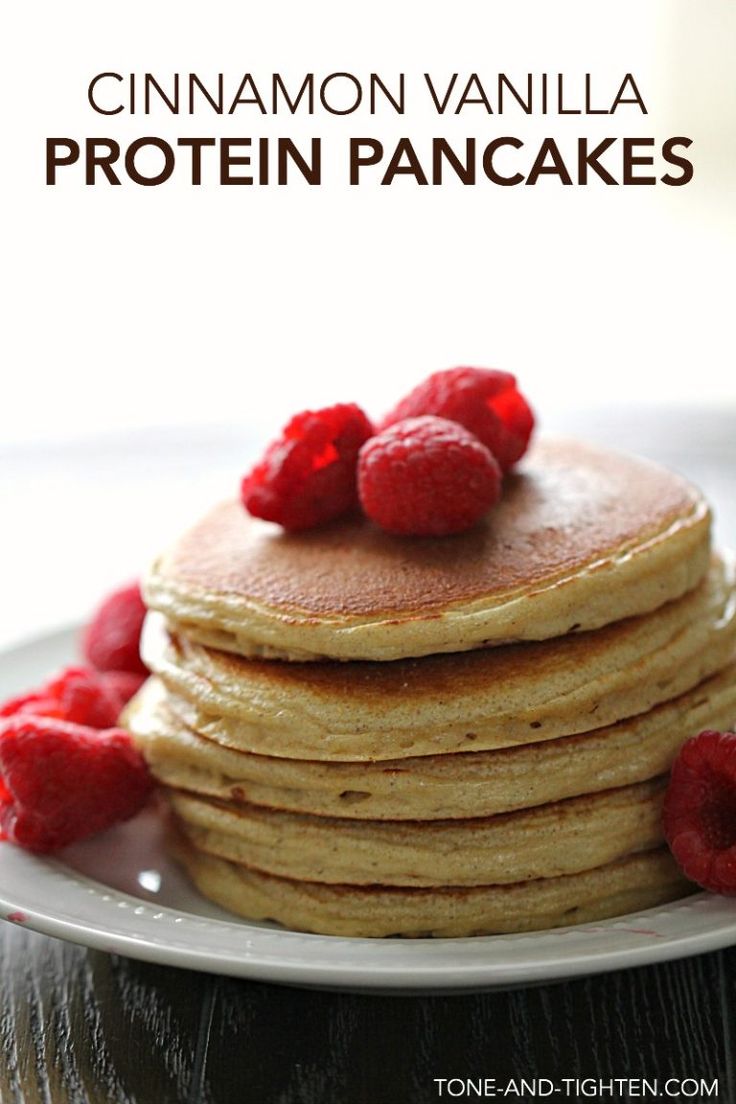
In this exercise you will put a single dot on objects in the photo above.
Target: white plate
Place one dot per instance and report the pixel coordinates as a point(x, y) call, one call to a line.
point(120, 893)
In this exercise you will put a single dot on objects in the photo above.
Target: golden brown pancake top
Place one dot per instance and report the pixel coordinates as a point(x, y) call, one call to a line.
point(567, 506)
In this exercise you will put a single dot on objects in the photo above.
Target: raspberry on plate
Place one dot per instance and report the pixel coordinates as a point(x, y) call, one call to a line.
point(123, 684)
point(34, 702)
point(484, 400)
point(62, 782)
point(80, 695)
point(112, 638)
point(308, 476)
point(84, 698)
point(700, 811)
point(427, 477)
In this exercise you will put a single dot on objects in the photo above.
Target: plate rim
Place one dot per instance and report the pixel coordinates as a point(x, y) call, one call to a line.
point(320, 972)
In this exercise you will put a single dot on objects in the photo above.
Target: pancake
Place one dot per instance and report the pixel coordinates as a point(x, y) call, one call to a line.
point(561, 838)
point(581, 538)
point(481, 700)
point(637, 882)
point(468, 784)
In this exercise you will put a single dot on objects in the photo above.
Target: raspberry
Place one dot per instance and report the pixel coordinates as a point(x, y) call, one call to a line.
point(84, 698)
point(76, 694)
point(123, 684)
point(484, 400)
point(308, 476)
point(427, 477)
point(34, 702)
point(700, 811)
point(111, 639)
point(62, 782)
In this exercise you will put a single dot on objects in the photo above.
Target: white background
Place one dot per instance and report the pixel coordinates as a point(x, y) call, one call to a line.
point(137, 319)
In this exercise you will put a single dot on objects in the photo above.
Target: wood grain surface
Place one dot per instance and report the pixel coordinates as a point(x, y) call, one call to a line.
point(80, 1026)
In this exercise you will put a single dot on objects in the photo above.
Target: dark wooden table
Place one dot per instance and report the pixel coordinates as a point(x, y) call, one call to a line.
point(81, 1026)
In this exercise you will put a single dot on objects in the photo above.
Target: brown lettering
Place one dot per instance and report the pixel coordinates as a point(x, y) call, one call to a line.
point(488, 167)
point(136, 176)
point(681, 162)
point(104, 161)
point(357, 159)
point(630, 161)
point(54, 158)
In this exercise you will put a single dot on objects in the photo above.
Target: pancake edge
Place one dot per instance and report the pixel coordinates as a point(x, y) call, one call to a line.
point(638, 882)
point(659, 568)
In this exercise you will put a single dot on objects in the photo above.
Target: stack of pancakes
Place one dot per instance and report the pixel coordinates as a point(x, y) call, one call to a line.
point(360, 734)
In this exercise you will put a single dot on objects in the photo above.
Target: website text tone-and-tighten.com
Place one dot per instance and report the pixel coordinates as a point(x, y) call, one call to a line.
point(577, 1088)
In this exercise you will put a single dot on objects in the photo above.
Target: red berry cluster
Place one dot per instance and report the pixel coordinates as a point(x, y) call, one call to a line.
point(66, 769)
point(700, 811)
point(431, 467)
